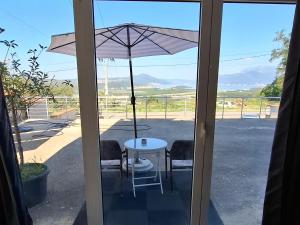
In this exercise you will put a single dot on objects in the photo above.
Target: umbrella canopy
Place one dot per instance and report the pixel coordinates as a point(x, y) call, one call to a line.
point(128, 41)
point(144, 40)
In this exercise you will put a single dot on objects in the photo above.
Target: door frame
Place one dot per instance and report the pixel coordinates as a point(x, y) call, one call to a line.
point(88, 101)
point(210, 22)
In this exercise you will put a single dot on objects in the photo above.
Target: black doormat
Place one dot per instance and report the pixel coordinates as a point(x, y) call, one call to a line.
point(149, 207)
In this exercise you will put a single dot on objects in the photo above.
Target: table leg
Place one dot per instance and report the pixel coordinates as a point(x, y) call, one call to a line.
point(132, 173)
point(159, 173)
point(157, 167)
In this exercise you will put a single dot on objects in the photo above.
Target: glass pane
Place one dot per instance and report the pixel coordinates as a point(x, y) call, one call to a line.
point(164, 67)
point(49, 129)
point(247, 108)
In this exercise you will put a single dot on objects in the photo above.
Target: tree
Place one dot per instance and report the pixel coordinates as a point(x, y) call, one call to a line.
point(63, 90)
point(275, 88)
point(23, 88)
point(9, 44)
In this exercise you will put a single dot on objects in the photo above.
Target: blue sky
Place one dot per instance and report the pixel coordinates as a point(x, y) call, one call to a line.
point(247, 33)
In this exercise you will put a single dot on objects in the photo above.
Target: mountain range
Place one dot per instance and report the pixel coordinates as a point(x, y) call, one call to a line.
point(245, 80)
point(145, 81)
point(248, 79)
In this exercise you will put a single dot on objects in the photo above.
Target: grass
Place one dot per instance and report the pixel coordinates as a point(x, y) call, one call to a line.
point(159, 100)
point(158, 104)
point(29, 170)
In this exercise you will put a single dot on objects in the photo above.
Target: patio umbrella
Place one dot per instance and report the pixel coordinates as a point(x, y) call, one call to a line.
point(127, 41)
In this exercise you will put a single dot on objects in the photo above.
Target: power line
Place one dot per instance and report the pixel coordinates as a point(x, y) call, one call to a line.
point(248, 53)
point(251, 57)
point(71, 4)
point(166, 65)
point(24, 22)
point(265, 53)
point(101, 16)
point(261, 53)
point(60, 63)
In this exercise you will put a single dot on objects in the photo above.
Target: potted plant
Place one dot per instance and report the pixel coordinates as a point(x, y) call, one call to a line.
point(34, 179)
point(23, 88)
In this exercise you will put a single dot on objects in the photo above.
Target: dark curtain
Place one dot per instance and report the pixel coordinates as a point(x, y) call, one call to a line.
point(13, 210)
point(282, 199)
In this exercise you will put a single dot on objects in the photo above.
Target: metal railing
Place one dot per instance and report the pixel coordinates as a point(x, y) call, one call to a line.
point(169, 106)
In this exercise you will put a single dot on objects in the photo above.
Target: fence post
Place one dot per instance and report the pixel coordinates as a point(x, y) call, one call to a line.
point(242, 108)
point(223, 107)
point(27, 112)
point(66, 107)
point(260, 106)
point(185, 99)
point(99, 105)
point(166, 106)
point(126, 106)
point(106, 103)
point(146, 106)
point(47, 110)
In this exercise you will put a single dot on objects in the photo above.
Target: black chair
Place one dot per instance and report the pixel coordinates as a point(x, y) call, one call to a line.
point(181, 157)
point(112, 156)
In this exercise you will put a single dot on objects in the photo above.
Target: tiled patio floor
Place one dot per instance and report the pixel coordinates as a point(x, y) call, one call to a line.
point(150, 207)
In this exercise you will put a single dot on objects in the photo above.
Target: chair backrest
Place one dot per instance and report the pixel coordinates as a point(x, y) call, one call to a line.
point(182, 150)
point(110, 150)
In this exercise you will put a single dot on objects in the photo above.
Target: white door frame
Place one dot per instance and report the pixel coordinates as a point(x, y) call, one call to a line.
point(207, 81)
point(88, 98)
point(207, 76)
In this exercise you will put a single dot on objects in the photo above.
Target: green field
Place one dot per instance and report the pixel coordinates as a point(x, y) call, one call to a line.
point(178, 99)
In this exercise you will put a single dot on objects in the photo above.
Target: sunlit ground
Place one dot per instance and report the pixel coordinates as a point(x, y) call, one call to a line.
point(241, 156)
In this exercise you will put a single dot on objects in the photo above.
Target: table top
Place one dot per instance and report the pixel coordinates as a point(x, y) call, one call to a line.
point(153, 144)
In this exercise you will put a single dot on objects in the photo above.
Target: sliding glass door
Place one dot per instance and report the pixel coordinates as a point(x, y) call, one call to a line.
point(153, 184)
point(254, 49)
point(148, 87)
point(124, 185)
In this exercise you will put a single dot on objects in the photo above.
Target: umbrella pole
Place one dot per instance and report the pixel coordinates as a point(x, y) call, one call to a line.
point(132, 96)
point(136, 157)
point(131, 84)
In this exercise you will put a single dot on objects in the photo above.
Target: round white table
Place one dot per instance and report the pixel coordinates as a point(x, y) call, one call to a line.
point(135, 148)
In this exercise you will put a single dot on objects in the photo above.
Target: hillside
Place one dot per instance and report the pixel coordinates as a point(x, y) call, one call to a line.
point(246, 80)
point(244, 83)
point(145, 81)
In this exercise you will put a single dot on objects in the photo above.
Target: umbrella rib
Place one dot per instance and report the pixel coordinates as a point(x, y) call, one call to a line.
point(108, 30)
point(63, 45)
point(120, 43)
point(134, 43)
point(143, 25)
point(72, 42)
point(183, 39)
point(153, 42)
point(114, 34)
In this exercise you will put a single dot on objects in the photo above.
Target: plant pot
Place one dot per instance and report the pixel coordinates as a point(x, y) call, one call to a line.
point(35, 188)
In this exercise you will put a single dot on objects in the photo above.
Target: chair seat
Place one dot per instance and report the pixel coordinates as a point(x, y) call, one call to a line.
point(110, 163)
point(182, 163)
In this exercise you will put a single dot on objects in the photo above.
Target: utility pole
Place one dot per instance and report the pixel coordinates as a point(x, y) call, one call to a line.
point(106, 82)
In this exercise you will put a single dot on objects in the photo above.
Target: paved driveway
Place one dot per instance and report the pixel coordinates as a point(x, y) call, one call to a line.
point(241, 157)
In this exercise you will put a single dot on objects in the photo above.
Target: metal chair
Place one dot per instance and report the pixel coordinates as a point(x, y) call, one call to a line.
point(181, 156)
point(112, 156)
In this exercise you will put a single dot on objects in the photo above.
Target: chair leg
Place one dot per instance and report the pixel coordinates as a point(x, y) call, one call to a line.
point(127, 172)
point(171, 174)
point(121, 169)
point(132, 179)
point(121, 173)
point(166, 164)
